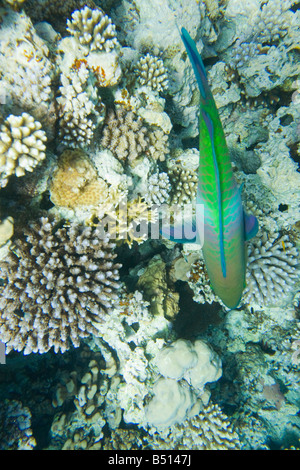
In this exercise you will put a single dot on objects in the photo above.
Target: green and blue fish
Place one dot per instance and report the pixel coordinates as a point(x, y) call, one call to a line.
point(225, 225)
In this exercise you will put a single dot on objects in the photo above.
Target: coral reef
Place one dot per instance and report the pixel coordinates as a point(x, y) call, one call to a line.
point(58, 288)
point(22, 146)
point(100, 100)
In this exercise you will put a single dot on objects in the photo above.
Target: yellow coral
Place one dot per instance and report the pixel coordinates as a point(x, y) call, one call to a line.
point(75, 183)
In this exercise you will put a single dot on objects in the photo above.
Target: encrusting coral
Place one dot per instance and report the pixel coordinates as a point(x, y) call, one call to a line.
point(57, 287)
point(22, 146)
point(93, 29)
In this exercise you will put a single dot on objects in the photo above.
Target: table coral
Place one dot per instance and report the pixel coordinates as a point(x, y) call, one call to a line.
point(22, 146)
point(61, 284)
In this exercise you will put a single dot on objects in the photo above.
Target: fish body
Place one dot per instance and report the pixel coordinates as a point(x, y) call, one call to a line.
point(225, 226)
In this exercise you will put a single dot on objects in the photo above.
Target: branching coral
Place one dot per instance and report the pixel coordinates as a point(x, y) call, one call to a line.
point(272, 269)
point(184, 184)
point(21, 147)
point(125, 135)
point(57, 288)
point(158, 190)
point(80, 109)
point(151, 72)
point(209, 430)
point(93, 29)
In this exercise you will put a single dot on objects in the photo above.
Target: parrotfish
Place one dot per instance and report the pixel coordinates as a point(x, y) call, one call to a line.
point(226, 227)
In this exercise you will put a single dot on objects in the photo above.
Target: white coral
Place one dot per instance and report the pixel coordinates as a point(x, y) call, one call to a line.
point(93, 29)
point(151, 72)
point(21, 146)
point(158, 189)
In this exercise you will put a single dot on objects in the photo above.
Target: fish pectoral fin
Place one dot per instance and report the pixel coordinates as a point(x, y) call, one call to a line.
point(183, 233)
point(251, 226)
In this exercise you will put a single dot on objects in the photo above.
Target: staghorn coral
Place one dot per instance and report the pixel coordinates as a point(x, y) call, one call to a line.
point(93, 29)
point(79, 107)
point(57, 288)
point(21, 147)
point(272, 269)
point(209, 430)
point(151, 72)
point(15, 423)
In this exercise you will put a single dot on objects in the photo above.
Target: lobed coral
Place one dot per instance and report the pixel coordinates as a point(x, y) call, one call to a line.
point(57, 288)
point(22, 146)
point(151, 72)
point(93, 29)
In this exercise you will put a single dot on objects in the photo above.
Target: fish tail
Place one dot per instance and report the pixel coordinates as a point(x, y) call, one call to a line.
point(197, 64)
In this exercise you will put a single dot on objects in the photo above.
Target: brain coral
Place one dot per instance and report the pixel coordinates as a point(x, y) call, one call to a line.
point(58, 285)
